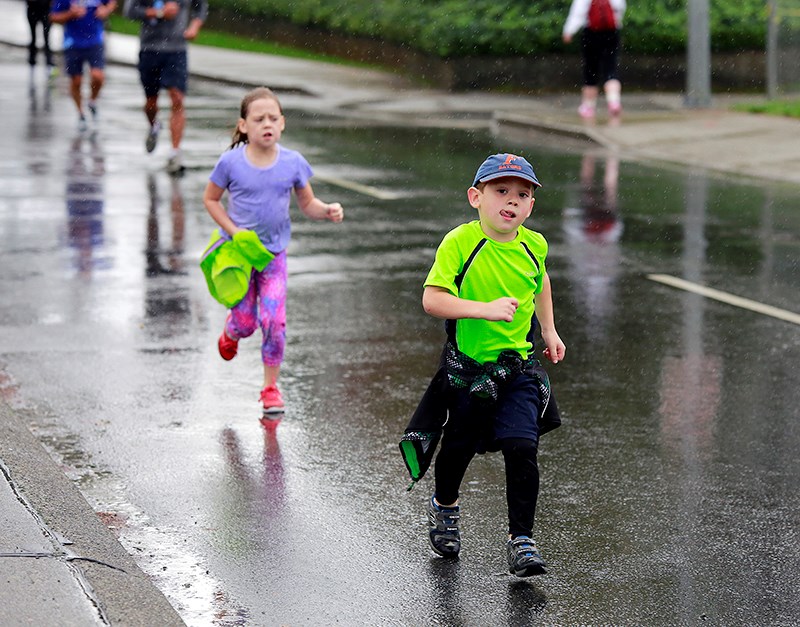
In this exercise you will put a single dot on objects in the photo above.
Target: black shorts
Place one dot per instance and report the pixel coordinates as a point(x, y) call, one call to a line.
point(515, 415)
point(163, 70)
point(75, 58)
point(600, 50)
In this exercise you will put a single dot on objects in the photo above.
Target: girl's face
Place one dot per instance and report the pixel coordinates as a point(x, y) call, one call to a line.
point(264, 123)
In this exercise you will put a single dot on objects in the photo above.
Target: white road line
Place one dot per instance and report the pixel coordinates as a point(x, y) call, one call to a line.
point(368, 190)
point(736, 301)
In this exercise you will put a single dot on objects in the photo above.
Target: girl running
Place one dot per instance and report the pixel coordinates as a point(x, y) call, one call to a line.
point(259, 175)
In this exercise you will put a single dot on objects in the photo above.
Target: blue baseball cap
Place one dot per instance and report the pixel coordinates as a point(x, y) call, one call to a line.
point(505, 164)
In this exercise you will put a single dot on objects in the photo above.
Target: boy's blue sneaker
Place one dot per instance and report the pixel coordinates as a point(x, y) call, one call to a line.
point(524, 559)
point(443, 531)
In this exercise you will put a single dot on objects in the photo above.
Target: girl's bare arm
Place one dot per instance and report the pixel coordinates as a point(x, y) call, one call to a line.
point(212, 200)
point(314, 208)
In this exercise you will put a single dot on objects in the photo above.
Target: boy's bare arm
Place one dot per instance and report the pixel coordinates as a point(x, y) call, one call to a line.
point(440, 303)
point(554, 347)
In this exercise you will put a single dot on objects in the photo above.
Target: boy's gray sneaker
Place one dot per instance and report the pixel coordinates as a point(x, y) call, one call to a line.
point(524, 559)
point(443, 530)
point(152, 136)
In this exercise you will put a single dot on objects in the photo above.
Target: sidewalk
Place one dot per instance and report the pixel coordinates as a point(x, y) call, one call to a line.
point(59, 565)
point(58, 562)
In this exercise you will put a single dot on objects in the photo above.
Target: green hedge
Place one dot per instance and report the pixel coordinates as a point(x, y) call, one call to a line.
point(458, 28)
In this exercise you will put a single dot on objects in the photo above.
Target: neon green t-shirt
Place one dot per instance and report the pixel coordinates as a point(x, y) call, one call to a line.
point(473, 266)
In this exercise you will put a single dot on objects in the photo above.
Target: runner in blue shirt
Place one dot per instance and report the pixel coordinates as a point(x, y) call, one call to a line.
point(84, 39)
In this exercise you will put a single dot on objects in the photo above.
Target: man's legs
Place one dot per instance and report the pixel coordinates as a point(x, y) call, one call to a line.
point(32, 47)
point(151, 108)
point(150, 74)
point(97, 78)
point(75, 84)
point(151, 111)
point(48, 52)
point(177, 121)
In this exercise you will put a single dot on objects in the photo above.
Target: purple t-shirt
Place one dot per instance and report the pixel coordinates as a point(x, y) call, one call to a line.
point(259, 197)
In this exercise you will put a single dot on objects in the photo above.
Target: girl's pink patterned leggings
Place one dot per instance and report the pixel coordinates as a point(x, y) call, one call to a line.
point(265, 306)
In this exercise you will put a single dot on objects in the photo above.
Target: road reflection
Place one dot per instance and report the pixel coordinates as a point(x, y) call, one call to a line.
point(592, 232)
point(445, 584)
point(85, 202)
point(525, 603)
point(690, 387)
point(262, 498)
point(166, 260)
point(249, 503)
point(167, 305)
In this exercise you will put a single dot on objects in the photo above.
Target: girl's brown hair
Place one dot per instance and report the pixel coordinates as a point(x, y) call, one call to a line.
point(249, 98)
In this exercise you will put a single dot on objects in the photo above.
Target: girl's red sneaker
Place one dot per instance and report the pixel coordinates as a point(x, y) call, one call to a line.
point(227, 347)
point(272, 400)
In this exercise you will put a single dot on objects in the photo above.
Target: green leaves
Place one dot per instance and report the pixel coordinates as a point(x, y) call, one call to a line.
point(462, 28)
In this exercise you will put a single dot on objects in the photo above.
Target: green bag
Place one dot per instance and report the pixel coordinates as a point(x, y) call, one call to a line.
point(228, 264)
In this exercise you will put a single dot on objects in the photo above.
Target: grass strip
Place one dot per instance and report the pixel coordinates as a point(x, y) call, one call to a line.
point(217, 39)
point(789, 108)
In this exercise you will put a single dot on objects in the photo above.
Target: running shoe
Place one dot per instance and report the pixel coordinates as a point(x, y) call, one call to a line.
point(586, 111)
point(614, 108)
point(92, 105)
point(174, 165)
point(82, 125)
point(152, 136)
point(524, 559)
point(227, 346)
point(443, 532)
point(272, 400)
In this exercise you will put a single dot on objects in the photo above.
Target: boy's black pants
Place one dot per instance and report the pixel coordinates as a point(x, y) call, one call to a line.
point(470, 428)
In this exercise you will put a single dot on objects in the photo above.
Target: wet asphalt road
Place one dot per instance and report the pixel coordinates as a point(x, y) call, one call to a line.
point(669, 496)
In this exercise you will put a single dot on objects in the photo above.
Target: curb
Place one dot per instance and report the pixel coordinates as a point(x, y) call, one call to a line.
point(111, 580)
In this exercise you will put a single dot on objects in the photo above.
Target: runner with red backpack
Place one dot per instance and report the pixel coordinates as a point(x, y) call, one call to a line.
point(601, 21)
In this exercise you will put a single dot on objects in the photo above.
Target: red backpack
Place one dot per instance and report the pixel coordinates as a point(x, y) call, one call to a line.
point(601, 16)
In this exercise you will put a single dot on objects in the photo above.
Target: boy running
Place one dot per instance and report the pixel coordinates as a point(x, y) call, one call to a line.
point(490, 283)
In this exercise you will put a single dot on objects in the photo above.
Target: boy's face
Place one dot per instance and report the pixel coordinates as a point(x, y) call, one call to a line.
point(503, 205)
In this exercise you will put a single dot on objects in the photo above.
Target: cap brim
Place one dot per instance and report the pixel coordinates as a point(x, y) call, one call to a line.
point(500, 175)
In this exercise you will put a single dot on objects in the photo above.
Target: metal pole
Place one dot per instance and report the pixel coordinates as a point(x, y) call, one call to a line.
point(698, 61)
point(772, 50)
